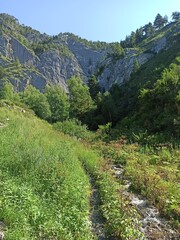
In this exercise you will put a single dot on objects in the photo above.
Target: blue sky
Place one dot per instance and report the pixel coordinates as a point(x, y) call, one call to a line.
point(103, 20)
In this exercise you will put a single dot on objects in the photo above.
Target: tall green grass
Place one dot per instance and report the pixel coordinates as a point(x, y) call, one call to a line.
point(121, 219)
point(153, 173)
point(44, 190)
point(74, 128)
point(156, 175)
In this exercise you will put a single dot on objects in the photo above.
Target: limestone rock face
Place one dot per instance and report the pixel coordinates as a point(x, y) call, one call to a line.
point(65, 55)
point(159, 45)
point(5, 47)
point(19, 51)
point(12, 49)
point(35, 79)
point(120, 71)
point(87, 57)
point(57, 68)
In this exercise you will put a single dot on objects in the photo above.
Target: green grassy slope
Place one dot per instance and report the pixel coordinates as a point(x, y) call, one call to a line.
point(44, 189)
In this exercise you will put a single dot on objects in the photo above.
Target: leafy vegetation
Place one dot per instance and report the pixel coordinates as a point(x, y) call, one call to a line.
point(121, 218)
point(41, 194)
point(156, 176)
point(74, 128)
point(80, 99)
point(59, 103)
point(45, 190)
point(153, 174)
point(46, 45)
point(162, 102)
point(37, 101)
point(12, 70)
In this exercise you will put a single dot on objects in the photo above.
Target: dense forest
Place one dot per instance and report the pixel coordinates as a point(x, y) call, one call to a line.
point(84, 162)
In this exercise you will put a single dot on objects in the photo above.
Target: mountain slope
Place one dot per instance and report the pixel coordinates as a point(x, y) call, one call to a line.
point(42, 195)
point(46, 185)
point(48, 59)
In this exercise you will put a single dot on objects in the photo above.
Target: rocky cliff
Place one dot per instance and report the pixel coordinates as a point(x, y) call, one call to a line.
point(53, 60)
point(121, 70)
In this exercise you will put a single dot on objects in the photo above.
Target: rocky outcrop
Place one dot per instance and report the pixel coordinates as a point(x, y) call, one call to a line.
point(5, 47)
point(57, 68)
point(21, 52)
point(87, 57)
point(51, 65)
point(121, 70)
point(12, 49)
point(29, 77)
point(159, 45)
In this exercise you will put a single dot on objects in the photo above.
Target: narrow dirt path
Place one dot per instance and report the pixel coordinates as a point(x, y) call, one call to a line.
point(97, 220)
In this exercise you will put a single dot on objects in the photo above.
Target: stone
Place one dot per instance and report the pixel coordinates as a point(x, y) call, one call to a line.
point(1, 235)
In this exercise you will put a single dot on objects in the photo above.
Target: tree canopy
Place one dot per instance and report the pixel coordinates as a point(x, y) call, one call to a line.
point(175, 16)
point(6, 91)
point(37, 101)
point(59, 103)
point(160, 21)
point(79, 96)
point(160, 106)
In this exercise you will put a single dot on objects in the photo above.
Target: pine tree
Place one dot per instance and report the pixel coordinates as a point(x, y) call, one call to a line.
point(139, 35)
point(159, 21)
point(148, 29)
point(175, 16)
point(93, 86)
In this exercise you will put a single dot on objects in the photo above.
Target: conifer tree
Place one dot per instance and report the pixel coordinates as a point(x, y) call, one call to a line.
point(175, 16)
point(159, 21)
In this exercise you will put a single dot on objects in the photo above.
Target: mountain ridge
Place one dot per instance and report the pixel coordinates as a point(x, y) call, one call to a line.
point(54, 59)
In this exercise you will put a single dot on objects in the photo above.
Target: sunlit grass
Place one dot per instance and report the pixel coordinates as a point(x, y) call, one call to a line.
point(44, 189)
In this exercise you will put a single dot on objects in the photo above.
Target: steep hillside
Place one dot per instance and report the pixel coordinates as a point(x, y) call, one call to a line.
point(45, 190)
point(54, 59)
point(160, 77)
point(41, 194)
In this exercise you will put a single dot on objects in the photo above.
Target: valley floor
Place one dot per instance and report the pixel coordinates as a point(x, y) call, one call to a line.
point(53, 186)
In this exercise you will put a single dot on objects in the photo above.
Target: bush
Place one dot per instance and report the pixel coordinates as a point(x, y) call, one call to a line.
point(74, 128)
